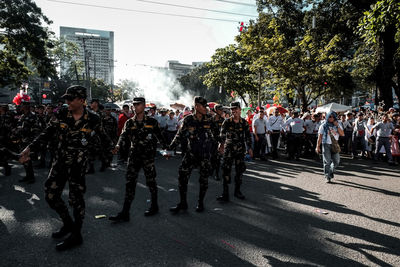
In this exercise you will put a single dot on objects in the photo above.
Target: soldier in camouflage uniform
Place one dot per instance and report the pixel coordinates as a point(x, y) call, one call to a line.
point(218, 119)
point(110, 126)
point(42, 124)
point(6, 125)
point(26, 130)
point(235, 135)
point(95, 149)
point(75, 128)
point(141, 134)
point(198, 129)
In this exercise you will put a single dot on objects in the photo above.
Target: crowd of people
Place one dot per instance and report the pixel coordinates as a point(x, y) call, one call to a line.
point(211, 138)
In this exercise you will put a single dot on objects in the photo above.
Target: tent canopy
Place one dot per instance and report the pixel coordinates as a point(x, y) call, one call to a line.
point(333, 107)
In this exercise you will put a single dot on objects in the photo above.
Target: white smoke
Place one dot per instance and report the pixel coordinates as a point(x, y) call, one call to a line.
point(160, 86)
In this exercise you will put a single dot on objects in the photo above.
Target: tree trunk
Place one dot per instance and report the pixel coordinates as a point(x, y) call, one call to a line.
point(386, 70)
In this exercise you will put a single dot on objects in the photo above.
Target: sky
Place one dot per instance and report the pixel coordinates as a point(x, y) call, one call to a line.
point(151, 39)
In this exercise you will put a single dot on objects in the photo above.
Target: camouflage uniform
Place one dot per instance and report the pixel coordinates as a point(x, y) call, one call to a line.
point(95, 149)
point(69, 165)
point(235, 136)
point(74, 139)
point(42, 124)
point(110, 126)
point(6, 125)
point(199, 134)
point(216, 157)
point(27, 128)
point(142, 138)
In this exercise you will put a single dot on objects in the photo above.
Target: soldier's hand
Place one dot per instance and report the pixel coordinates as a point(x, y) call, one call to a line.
point(115, 150)
point(221, 148)
point(251, 153)
point(24, 156)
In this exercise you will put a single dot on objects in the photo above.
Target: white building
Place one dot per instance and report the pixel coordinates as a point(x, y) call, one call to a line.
point(99, 48)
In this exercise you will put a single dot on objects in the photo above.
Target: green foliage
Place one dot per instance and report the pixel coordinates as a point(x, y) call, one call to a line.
point(229, 69)
point(24, 42)
point(193, 82)
point(126, 89)
point(101, 90)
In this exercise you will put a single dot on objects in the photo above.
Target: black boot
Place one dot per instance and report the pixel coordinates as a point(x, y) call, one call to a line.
point(30, 175)
point(200, 205)
point(91, 169)
point(182, 205)
point(225, 194)
point(238, 194)
point(216, 177)
point(123, 216)
point(7, 170)
point(65, 229)
point(73, 240)
point(154, 205)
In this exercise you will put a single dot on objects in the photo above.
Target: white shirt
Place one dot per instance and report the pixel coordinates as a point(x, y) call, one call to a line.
point(162, 120)
point(260, 125)
point(172, 125)
point(296, 125)
point(275, 123)
point(310, 126)
point(332, 130)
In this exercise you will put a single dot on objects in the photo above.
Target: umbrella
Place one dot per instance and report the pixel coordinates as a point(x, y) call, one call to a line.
point(177, 106)
point(272, 109)
point(212, 104)
point(150, 105)
point(332, 107)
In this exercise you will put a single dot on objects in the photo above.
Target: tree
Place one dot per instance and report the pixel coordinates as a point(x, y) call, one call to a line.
point(193, 82)
point(100, 90)
point(126, 89)
point(230, 70)
point(380, 28)
point(24, 42)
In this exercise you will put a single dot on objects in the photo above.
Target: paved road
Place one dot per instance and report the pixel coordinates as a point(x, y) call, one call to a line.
point(283, 221)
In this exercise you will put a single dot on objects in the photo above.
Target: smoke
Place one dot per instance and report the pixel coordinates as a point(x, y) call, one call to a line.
point(160, 86)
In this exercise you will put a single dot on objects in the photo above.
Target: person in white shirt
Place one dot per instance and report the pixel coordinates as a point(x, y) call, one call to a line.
point(171, 127)
point(384, 131)
point(330, 127)
point(274, 126)
point(295, 127)
point(259, 131)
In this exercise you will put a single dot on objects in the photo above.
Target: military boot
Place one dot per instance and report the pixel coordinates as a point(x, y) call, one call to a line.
point(91, 169)
point(182, 205)
point(30, 175)
point(123, 216)
point(238, 194)
point(200, 205)
point(65, 229)
point(225, 194)
point(74, 239)
point(7, 170)
point(154, 205)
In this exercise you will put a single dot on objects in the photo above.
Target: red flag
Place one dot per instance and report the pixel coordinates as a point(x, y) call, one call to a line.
point(268, 105)
point(251, 105)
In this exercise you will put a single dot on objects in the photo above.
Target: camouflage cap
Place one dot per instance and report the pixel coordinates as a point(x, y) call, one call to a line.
point(138, 100)
point(235, 105)
point(218, 107)
point(200, 100)
point(75, 91)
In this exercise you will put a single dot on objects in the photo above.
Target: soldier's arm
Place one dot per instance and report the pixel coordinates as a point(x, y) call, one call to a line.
point(106, 141)
point(180, 134)
point(247, 134)
point(158, 134)
point(46, 135)
point(123, 138)
point(222, 134)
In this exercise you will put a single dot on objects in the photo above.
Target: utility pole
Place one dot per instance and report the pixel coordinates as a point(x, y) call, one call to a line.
point(87, 68)
point(94, 63)
point(259, 89)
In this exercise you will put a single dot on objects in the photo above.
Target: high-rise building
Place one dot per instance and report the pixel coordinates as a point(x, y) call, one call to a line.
point(180, 69)
point(98, 46)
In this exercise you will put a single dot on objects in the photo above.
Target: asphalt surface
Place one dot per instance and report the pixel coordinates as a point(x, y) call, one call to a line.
point(290, 217)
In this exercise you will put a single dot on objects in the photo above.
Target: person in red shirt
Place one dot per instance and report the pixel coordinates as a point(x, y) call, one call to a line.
point(123, 117)
point(249, 119)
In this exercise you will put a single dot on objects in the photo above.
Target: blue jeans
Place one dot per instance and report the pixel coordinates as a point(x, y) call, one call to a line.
point(331, 160)
point(383, 141)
